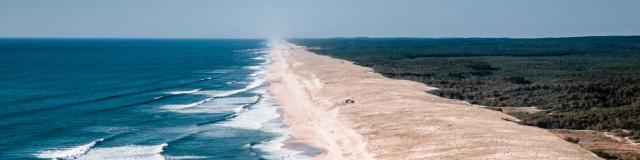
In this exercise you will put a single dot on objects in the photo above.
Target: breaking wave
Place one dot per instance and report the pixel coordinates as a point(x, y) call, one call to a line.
point(68, 153)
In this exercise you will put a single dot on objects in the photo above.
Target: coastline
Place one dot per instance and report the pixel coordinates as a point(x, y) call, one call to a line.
point(240, 115)
point(319, 128)
point(394, 119)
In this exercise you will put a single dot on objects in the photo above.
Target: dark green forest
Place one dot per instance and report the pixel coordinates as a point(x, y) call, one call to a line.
point(579, 82)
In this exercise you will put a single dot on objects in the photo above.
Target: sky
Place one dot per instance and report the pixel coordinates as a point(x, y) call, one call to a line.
point(317, 18)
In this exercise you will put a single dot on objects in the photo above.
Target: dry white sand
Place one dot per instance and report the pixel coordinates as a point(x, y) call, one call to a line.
point(394, 119)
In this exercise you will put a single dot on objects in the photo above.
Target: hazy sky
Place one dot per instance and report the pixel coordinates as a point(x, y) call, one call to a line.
point(317, 18)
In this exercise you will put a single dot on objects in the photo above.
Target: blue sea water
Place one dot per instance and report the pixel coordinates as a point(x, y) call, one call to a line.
point(137, 99)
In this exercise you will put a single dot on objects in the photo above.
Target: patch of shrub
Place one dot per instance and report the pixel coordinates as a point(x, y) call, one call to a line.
point(572, 139)
point(604, 155)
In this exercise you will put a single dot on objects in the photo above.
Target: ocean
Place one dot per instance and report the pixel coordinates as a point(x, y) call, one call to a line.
point(138, 99)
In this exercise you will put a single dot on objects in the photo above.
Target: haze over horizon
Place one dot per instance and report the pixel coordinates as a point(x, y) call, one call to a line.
point(306, 19)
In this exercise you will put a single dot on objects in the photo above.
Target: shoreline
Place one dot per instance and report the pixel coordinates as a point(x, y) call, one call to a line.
point(315, 127)
point(393, 119)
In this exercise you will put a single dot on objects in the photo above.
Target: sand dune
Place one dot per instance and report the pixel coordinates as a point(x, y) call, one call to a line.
point(394, 119)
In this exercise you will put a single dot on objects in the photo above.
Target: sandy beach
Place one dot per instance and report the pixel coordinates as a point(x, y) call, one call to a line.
point(394, 119)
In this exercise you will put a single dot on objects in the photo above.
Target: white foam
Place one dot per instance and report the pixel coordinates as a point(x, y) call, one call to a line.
point(218, 96)
point(263, 112)
point(90, 152)
point(184, 92)
point(258, 73)
point(252, 85)
point(260, 51)
point(184, 106)
point(275, 147)
point(68, 153)
point(236, 100)
point(127, 152)
point(217, 71)
point(217, 105)
point(255, 50)
point(260, 58)
point(225, 109)
point(253, 67)
point(261, 117)
point(184, 157)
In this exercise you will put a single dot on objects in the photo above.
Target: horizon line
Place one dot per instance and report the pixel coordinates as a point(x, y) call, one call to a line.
point(329, 37)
